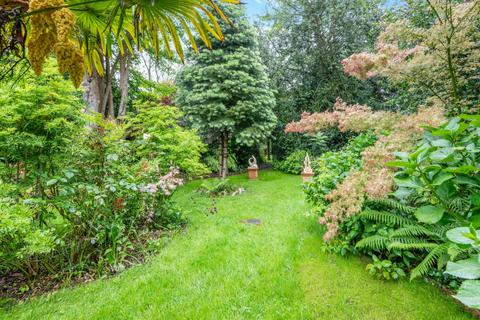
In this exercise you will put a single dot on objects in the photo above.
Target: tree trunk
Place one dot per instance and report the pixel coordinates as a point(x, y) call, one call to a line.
point(124, 70)
point(223, 155)
point(111, 109)
point(269, 149)
point(92, 95)
point(105, 85)
point(98, 89)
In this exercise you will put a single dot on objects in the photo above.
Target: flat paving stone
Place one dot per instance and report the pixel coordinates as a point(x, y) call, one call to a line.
point(253, 221)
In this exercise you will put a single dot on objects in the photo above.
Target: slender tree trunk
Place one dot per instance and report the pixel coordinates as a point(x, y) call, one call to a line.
point(111, 110)
point(453, 76)
point(105, 86)
point(223, 155)
point(269, 149)
point(124, 71)
point(98, 93)
point(92, 94)
point(147, 62)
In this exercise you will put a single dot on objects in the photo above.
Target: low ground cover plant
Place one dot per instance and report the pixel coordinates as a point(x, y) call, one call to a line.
point(219, 187)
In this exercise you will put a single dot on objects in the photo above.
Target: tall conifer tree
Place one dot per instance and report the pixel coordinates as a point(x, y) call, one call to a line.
point(224, 91)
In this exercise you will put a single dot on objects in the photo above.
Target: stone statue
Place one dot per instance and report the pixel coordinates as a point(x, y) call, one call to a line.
point(252, 168)
point(307, 172)
point(252, 162)
point(307, 165)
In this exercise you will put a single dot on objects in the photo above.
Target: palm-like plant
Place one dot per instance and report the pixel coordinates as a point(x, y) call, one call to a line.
point(100, 24)
point(145, 23)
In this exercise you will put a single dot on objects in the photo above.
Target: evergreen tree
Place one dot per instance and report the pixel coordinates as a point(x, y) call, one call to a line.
point(224, 90)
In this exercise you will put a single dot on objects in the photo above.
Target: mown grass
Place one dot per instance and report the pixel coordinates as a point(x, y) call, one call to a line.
point(221, 268)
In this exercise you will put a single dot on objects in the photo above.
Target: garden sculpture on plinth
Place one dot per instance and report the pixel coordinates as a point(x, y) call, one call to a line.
point(307, 172)
point(252, 168)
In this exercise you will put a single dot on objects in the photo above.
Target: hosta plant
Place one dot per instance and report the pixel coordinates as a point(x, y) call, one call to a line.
point(441, 176)
point(468, 269)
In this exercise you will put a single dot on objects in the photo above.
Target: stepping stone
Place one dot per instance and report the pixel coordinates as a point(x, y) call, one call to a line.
point(256, 222)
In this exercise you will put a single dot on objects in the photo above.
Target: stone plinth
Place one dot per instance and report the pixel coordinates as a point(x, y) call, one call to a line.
point(307, 176)
point(252, 173)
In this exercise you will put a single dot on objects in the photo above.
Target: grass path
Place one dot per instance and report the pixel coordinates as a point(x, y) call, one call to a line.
point(223, 269)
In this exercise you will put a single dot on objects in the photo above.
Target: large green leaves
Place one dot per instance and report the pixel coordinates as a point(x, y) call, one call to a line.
point(462, 235)
point(464, 269)
point(442, 154)
point(469, 294)
point(429, 214)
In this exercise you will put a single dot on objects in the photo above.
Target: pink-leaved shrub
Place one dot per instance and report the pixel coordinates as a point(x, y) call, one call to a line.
point(396, 132)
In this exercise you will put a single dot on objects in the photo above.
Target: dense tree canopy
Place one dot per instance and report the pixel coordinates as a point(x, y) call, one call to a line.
point(225, 92)
point(440, 55)
point(303, 43)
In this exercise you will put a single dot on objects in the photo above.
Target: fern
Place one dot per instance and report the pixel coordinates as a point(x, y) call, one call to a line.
point(414, 231)
point(458, 205)
point(393, 204)
point(385, 217)
point(433, 256)
point(374, 242)
point(441, 230)
point(411, 244)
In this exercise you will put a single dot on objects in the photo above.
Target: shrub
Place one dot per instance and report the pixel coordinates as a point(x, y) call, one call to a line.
point(434, 217)
point(109, 197)
point(157, 137)
point(396, 132)
point(79, 198)
point(212, 161)
point(22, 240)
point(293, 163)
point(441, 179)
point(385, 269)
point(333, 166)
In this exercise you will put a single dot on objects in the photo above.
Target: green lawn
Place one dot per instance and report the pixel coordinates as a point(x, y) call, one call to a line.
point(223, 269)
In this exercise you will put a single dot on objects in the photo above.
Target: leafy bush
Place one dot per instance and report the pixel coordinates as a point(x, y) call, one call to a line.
point(333, 166)
point(441, 175)
point(212, 161)
point(81, 194)
point(40, 123)
point(395, 131)
point(22, 239)
point(293, 164)
point(435, 216)
point(441, 179)
point(108, 197)
point(158, 138)
point(385, 269)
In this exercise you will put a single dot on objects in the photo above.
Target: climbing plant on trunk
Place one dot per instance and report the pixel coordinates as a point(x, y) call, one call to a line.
point(225, 91)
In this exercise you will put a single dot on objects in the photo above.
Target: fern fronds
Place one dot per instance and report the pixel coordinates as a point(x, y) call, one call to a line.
point(411, 244)
point(393, 204)
point(385, 217)
point(423, 267)
point(441, 230)
point(458, 205)
point(414, 231)
point(375, 242)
